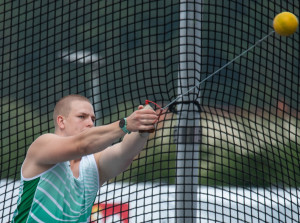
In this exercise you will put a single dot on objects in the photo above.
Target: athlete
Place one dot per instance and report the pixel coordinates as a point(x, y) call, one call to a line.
point(62, 172)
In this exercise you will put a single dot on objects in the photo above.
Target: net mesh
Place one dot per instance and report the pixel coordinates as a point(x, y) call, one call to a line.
point(226, 152)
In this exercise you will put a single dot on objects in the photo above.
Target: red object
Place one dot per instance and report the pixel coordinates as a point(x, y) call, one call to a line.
point(161, 110)
point(106, 210)
point(147, 102)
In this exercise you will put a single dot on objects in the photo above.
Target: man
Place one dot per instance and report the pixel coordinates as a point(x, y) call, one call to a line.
point(62, 172)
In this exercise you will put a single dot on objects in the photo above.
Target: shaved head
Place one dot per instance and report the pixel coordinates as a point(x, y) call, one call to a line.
point(63, 106)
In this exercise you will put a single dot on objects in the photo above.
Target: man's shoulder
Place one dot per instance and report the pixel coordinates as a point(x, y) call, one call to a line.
point(47, 135)
point(32, 166)
point(40, 143)
point(44, 138)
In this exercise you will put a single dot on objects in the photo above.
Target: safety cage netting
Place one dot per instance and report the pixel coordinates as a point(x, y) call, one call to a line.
point(227, 151)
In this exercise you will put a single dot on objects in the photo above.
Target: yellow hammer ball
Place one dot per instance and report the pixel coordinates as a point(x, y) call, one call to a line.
point(285, 23)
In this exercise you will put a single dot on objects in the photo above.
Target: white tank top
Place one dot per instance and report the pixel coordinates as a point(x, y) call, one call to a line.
point(57, 196)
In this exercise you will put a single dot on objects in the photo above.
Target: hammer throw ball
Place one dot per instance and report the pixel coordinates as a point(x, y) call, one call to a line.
point(285, 23)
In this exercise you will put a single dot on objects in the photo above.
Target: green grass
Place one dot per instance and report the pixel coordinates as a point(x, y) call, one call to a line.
point(274, 166)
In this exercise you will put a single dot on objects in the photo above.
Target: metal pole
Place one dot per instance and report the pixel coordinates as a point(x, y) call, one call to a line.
point(87, 57)
point(96, 89)
point(189, 135)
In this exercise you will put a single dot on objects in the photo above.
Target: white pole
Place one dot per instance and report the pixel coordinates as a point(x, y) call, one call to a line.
point(87, 57)
point(189, 135)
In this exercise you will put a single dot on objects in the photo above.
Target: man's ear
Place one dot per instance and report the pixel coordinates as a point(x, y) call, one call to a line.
point(60, 121)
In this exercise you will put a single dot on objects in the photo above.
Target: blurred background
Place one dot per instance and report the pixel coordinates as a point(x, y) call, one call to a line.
point(235, 136)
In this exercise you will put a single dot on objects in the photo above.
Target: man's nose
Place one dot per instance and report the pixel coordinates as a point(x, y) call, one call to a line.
point(90, 122)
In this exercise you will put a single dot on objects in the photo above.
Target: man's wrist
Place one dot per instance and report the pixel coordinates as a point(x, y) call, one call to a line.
point(144, 134)
point(123, 125)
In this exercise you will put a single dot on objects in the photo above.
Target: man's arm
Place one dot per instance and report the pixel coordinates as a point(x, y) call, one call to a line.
point(118, 157)
point(50, 149)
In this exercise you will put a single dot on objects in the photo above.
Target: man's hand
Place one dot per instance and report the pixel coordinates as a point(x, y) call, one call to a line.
point(142, 120)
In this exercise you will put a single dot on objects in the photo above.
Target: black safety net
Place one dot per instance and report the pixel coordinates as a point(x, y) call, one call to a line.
point(225, 150)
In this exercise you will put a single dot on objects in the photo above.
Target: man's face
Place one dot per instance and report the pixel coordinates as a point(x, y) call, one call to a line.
point(81, 117)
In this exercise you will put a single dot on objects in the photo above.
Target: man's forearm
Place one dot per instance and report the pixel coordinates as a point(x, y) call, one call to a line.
point(118, 157)
point(133, 143)
point(99, 138)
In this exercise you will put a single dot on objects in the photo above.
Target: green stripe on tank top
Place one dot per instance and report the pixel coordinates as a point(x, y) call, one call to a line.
point(29, 189)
